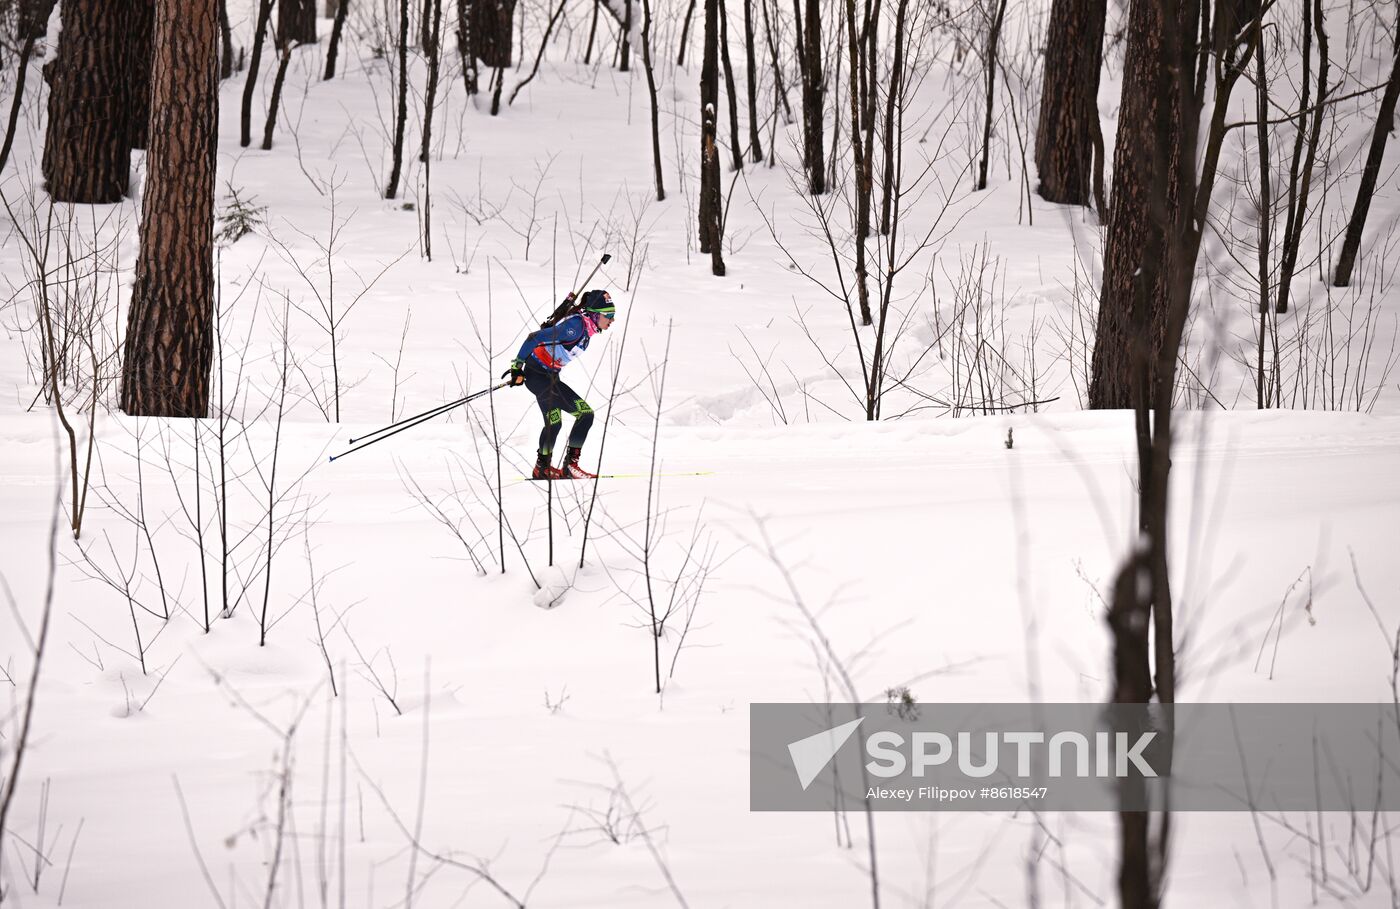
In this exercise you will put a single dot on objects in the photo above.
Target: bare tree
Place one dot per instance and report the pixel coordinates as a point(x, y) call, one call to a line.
point(751, 83)
point(333, 51)
point(711, 200)
point(809, 58)
point(245, 121)
point(996, 18)
point(651, 96)
point(391, 190)
point(33, 20)
point(1385, 122)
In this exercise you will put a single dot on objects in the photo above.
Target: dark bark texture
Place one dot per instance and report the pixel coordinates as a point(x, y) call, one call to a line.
point(337, 28)
point(87, 150)
point(711, 202)
point(141, 28)
point(812, 103)
point(34, 19)
point(1124, 340)
point(169, 337)
point(1069, 111)
point(391, 191)
point(296, 22)
point(245, 116)
point(493, 31)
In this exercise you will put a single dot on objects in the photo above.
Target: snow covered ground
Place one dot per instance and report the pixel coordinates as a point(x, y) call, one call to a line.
point(409, 691)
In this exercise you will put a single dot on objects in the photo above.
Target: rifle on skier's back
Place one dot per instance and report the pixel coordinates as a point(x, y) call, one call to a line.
point(569, 305)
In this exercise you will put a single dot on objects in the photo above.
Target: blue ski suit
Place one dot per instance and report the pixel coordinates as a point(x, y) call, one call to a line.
point(542, 355)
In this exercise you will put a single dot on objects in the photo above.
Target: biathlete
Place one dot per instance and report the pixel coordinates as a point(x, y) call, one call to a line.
point(536, 366)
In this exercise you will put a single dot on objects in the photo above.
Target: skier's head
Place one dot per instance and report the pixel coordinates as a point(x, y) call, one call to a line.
point(598, 305)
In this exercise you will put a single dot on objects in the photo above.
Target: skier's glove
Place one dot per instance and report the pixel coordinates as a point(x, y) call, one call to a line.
point(516, 373)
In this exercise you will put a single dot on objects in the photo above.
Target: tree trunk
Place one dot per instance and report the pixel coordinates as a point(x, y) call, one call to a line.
point(735, 146)
point(651, 94)
point(391, 191)
point(685, 33)
point(625, 50)
point(893, 101)
point(1121, 345)
point(751, 71)
point(245, 116)
point(87, 148)
point(225, 42)
point(711, 202)
point(333, 51)
point(860, 164)
point(1069, 110)
point(1385, 122)
point(169, 328)
point(141, 29)
point(33, 21)
point(296, 22)
point(465, 45)
point(1300, 183)
point(493, 35)
point(812, 98)
point(276, 100)
point(989, 57)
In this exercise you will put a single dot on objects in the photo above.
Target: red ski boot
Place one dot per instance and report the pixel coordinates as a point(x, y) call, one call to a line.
point(544, 470)
point(571, 469)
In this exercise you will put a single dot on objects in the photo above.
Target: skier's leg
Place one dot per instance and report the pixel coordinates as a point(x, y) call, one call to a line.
point(583, 421)
point(546, 389)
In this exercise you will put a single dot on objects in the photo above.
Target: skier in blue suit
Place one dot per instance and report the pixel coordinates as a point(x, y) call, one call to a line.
point(536, 366)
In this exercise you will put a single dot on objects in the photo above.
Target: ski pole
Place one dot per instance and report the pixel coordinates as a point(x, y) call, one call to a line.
point(563, 307)
point(441, 408)
point(410, 422)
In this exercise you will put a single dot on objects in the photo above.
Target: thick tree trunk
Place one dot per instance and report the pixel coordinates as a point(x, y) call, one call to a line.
point(711, 201)
point(1385, 122)
point(296, 22)
point(87, 148)
point(1124, 342)
point(1069, 111)
point(812, 103)
point(142, 29)
point(493, 31)
point(169, 339)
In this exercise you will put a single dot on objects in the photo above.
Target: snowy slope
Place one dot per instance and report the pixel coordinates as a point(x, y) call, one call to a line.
point(528, 744)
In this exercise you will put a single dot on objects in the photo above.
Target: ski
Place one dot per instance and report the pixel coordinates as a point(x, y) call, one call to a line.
point(626, 476)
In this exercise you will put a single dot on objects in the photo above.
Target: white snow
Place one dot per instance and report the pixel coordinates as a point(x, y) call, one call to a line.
point(529, 744)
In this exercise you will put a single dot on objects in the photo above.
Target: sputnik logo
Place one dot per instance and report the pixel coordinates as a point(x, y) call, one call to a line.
point(811, 755)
